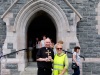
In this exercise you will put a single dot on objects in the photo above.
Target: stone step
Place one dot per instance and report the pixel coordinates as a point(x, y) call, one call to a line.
point(31, 69)
point(32, 64)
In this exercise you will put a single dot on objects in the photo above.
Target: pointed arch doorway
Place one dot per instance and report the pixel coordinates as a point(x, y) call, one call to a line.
point(41, 24)
point(27, 15)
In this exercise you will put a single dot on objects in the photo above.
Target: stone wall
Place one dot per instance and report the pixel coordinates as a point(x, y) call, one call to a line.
point(91, 68)
point(87, 32)
point(10, 68)
point(2, 37)
point(89, 37)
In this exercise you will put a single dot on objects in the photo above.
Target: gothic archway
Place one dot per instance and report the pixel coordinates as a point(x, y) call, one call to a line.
point(26, 15)
point(40, 25)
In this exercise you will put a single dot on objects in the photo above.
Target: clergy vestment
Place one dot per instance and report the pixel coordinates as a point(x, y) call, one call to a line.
point(44, 68)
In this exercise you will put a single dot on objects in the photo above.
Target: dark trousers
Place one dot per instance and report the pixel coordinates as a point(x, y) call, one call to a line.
point(43, 71)
point(76, 71)
point(34, 54)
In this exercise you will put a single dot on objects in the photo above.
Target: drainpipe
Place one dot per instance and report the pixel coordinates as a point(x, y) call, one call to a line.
point(78, 14)
point(9, 8)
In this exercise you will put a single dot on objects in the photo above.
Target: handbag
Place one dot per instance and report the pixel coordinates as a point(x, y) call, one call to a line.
point(74, 66)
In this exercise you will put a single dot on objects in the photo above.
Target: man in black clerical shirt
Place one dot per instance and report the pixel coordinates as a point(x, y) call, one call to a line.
point(44, 59)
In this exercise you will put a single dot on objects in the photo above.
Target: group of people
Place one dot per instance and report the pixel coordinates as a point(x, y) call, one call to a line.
point(39, 44)
point(53, 61)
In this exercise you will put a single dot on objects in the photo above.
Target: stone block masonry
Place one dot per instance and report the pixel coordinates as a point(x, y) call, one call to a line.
point(87, 33)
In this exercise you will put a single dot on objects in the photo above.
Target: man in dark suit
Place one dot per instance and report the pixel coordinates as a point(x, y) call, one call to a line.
point(45, 57)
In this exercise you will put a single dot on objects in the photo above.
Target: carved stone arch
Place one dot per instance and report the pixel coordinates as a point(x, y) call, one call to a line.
point(25, 16)
point(53, 9)
point(28, 11)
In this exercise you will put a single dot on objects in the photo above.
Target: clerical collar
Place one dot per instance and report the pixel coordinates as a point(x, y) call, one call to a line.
point(47, 48)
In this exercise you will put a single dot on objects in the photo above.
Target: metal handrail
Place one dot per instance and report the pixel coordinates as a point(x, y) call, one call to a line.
point(26, 49)
point(72, 53)
point(12, 53)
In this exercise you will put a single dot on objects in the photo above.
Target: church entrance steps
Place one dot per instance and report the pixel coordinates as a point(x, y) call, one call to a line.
point(32, 64)
point(31, 69)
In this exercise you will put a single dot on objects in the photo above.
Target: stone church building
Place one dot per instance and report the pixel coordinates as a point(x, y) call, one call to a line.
point(76, 22)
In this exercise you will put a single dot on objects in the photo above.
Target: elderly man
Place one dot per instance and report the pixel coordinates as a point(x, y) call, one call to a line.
point(44, 59)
